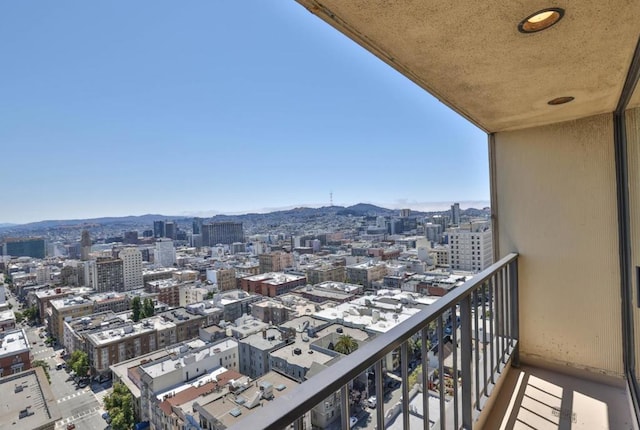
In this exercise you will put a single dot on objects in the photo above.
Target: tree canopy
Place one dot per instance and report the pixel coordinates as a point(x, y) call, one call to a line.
point(345, 344)
point(79, 363)
point(141, 309)
point(119, 404)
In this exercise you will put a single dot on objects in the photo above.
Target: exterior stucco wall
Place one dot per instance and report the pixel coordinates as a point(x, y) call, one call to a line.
point(555, 191)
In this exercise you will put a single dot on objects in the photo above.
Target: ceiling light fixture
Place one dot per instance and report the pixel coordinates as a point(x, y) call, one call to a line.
point(541, 20)
point(560, 100)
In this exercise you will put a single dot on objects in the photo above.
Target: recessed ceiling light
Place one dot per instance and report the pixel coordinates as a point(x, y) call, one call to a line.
point(541, 20)
point(560, 100)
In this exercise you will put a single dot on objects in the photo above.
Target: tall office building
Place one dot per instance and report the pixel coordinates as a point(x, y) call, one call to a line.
point(226, 232)
point(130, 237)
point(455, 214)
point(164, 253)
point(131, 267)
point(196, 226)
point(32, 247)
point(170, 230)
point(471, 247)
point(85, 245)
point(158, 229)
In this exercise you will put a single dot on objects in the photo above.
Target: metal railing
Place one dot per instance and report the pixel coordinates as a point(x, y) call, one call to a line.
point(477, 322)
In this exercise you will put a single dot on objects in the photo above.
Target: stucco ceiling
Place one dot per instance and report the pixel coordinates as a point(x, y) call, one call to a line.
point(471, 56)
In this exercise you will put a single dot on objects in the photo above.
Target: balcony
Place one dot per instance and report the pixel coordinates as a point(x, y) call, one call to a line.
point(484, 385)
point(478, 322)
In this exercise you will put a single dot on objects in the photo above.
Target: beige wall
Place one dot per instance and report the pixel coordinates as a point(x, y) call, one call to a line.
point(556, 206)
point(633, 163)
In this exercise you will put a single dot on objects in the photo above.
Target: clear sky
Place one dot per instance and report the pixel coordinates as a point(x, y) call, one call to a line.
point(130, 107)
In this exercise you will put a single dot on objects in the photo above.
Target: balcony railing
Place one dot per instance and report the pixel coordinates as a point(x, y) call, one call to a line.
point(479, 319)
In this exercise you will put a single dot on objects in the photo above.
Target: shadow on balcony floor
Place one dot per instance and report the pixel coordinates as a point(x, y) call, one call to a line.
point(540, 399)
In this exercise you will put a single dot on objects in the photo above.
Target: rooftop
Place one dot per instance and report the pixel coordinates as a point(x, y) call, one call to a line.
point(29, 402)
point(13, 342)
point(170, 364)
point(148, 325)
point(231, 408)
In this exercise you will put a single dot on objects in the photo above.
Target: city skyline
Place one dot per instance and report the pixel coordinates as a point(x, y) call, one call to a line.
point(127, 109)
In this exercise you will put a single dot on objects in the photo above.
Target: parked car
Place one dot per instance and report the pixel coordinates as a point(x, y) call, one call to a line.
point(353, 421)
point(71, 426)
point(371, 401)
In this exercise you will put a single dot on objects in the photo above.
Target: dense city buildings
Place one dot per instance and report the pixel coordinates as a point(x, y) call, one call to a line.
point(238, 311)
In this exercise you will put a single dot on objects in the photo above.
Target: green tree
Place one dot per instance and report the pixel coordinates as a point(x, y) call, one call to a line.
point(136, 309)
point(345, 344)
point(45, 367)
point(148, 310)
point(119, 404)
point(19, 316)
point(32, 314)
point(79, 363)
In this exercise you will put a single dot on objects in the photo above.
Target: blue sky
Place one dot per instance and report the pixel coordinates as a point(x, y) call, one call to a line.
point(200, 107)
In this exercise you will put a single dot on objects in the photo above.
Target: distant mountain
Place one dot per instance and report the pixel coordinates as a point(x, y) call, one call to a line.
point(7, 224)
point(296, 214)
point(146, 219)
point(362, 209)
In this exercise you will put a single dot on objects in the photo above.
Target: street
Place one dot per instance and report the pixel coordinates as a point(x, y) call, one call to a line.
point(80, 406)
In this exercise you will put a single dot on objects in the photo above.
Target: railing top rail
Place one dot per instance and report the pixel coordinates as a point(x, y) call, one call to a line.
point(287, 408)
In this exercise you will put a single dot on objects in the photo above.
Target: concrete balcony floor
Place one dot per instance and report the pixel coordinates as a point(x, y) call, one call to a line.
point(541, 399)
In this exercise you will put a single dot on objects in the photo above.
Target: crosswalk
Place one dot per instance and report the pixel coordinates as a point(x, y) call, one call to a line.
point(101, 395)
point(74, 395)
point(63, 422)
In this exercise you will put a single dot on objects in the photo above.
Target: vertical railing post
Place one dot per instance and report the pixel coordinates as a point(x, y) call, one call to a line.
point(404, 372)
point(379, 396)
point(466, 349)
point(344, 399)
point(515, 312)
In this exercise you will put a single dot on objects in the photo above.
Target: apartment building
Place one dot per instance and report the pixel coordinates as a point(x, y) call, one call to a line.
point(270, 311)
point(109, 274)
point(470, 247)
point(366, 273)
point(131, 268)
point(324, 273)
point(275, 261)
point(14, 352)
point(108, 346)
point(272, 284)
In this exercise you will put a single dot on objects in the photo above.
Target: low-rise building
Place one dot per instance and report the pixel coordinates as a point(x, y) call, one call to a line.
point(270, 311)
point(272, 284)
point(108, 346)
point(220, 411)
point(254, 351)
point(366, 273)
point(338, 292)
point(162, 378)
point(325, 273)
point(14, 352)
point(28, 402)
point(7, 320)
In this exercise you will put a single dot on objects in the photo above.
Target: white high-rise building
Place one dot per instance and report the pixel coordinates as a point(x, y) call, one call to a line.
point(471, 247)
point(131, 267)
point(164, 254)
